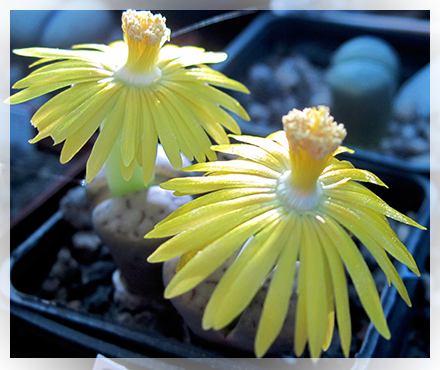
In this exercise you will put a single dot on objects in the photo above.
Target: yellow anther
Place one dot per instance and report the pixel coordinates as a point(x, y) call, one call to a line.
point(313, 137)
point(144, 27)
point(313, 130)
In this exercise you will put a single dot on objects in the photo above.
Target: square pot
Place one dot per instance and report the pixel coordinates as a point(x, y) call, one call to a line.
point(32, 260)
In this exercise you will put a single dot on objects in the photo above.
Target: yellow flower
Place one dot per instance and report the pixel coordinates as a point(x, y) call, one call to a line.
point(292, 200)
point(136, 91)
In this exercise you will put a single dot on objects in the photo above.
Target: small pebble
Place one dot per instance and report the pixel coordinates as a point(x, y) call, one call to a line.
point(99, 301)
point(75, 304)
point(65, 267)
point(86, 245)
point(75, 208)
point(51, 286)
point(105, 254)
point(259, 112)
point(261, 82)
point(287, 75)
point(417, 146)
point(408, 131)
point(125, 318)
point(424, 128)
point(62, 294)
point(98, 272)
point(144, 319)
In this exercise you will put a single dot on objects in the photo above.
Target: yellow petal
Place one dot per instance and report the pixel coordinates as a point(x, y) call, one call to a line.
point(193, 218)
point(383, 234)
point(279, 152)
point(205, 116)
point(208, 75)
point(343, 149)
point(54, 54)
point(68, 64)
point(216, 253)
point(164, 130)
point(34, 92)
point(215, 130)
point(214, 111)
point(355, 174)
point(213, 315)
point(340, 289)
point(207, 57)
point(129, 128)
point(330, 329)
point(215, 197)
point(250, 270)
point(234, 166)
point(200, 143)
point(110, 131)
point(387, 267)
point(356, 193)
point(78, 139)
point(189, 59)
point(149, 141)
point(101, 47)
point(185, 258)
point(375, 242)
point(330, 311)
point(61, 104)
point(127, 171)
point(224, 119)
point(277, 301)
point(280, 138)
point(70, 75)
point(358, 270)
point(312, 261)
point(195, 185)
point(187, 142)
point(206, 94)
point(171, 52)
point(204, 233)
point(75, 119)
point(337, 165)
point(252, 153)
point(300, 336)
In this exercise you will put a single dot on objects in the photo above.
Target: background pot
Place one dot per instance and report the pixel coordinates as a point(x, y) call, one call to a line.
point(282, 56)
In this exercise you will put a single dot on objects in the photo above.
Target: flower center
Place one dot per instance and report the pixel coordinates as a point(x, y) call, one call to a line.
point(294, 198)
point(144, 34)
point(313, 137)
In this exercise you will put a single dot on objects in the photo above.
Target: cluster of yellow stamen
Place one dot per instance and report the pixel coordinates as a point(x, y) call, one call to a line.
point(144, 27)
point(314, 131)
point(144, 34)
point(313, 137)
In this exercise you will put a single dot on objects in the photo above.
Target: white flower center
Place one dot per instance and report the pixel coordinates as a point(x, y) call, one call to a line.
point(295, 198)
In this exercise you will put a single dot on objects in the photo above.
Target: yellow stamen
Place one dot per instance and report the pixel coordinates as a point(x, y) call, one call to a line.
point(313, 137)
point(144, 34)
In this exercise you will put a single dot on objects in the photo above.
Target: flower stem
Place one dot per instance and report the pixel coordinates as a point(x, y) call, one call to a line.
point(117, 184)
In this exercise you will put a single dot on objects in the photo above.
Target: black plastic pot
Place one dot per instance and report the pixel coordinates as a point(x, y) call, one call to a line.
point(316, 35)
point(57, 325)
